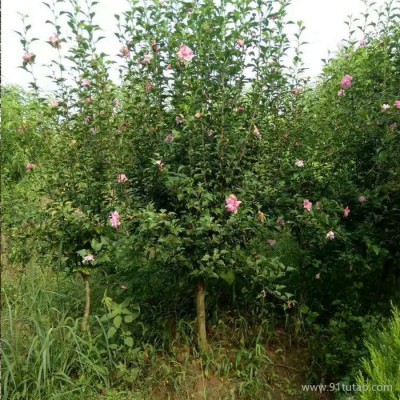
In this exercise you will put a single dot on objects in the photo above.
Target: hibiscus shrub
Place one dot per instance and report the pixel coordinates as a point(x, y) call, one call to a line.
point(169, 155)
point(347, 137)
point(203, 85)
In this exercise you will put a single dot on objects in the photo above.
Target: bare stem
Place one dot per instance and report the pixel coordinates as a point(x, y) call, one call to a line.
point(85, 322)
point(201, 317)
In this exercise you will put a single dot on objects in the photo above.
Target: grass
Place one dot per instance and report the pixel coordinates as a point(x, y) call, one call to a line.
point(47, 356)
point(382, 367)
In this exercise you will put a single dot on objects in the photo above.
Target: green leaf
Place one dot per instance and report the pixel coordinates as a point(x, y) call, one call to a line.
point(117, 321)
point(128, 318)
point(228, 277)
point(128, 341)
point(206, 258)
point(96, 246)
point(111, 332)
point(125, 303)
point(304, 309)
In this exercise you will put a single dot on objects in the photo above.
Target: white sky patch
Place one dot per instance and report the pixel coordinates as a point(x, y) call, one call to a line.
point(323, 19)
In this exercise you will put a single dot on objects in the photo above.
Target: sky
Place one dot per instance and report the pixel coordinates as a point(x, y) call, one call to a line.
point(323, 19)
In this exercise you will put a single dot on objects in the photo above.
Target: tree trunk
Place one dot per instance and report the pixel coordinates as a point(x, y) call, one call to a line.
point(85, 321)
point(201, 317)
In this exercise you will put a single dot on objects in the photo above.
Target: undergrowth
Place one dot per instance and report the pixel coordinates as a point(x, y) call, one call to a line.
point(47, 356)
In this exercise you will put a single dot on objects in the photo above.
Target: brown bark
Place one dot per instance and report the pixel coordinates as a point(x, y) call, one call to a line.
point(85, 321)
point(201, 317)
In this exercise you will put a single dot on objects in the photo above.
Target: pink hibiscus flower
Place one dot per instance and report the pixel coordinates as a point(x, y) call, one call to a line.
point(122, 178)
point(240, 42)
point(185, 53)
point(160, 164)
point(147, 59)
point(55, 41)
point(28, 58)
point(114, 219)
point(346, 212)
point(307, 205)
point(124, 52)
point(232, 204)
point(346, 82)
point(330, 235)
point(89, 258)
